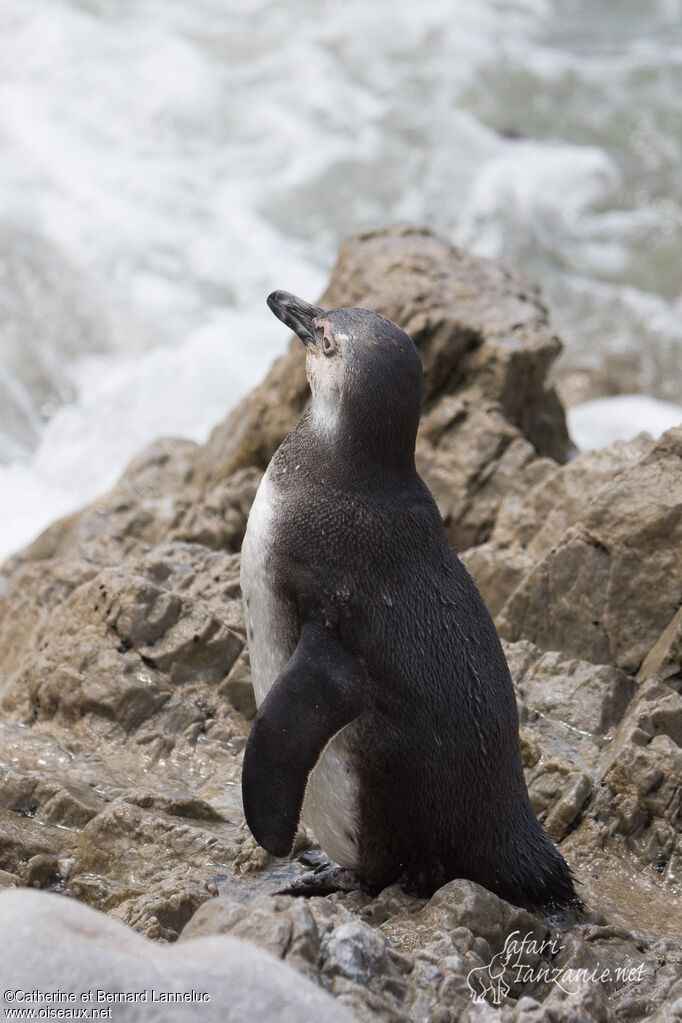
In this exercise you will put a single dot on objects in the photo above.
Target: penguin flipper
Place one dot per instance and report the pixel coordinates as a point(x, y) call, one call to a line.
point(319, 691)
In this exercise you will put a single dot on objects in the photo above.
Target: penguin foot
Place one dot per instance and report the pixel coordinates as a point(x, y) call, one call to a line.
point(315, 858)
point(327, 877)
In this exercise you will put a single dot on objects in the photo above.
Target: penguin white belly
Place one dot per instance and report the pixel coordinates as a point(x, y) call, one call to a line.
point(265, 611)
point(330, 806)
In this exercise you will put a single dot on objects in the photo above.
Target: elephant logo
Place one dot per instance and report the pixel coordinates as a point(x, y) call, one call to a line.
point(487, 983)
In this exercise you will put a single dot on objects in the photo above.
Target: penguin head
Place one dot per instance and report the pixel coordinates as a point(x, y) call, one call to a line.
point(364, 372)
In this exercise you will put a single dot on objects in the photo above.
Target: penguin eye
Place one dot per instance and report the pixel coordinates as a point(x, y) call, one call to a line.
point(328, 345)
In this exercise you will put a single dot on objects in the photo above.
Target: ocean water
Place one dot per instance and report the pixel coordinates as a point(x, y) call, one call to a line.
point(619, 418)
point(164, 165)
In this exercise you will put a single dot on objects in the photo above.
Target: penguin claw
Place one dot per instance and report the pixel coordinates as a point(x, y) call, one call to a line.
point(326, 878)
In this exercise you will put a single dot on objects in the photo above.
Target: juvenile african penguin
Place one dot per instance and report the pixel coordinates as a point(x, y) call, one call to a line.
point(387, 716)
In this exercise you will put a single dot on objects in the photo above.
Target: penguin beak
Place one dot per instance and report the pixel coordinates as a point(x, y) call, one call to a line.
point(298, 315)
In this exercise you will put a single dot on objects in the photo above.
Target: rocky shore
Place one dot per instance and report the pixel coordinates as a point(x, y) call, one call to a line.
point(125, 701)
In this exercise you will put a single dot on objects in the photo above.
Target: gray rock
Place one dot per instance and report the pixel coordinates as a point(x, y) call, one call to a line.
point(55, 944)
point(356, 951)
point(281, 926)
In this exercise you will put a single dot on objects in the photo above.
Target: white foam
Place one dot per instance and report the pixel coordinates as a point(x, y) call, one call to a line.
point(594, 424)
point(124, 403)
point(163, 167)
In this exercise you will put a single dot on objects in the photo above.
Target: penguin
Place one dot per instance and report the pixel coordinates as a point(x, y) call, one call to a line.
point(386, 717)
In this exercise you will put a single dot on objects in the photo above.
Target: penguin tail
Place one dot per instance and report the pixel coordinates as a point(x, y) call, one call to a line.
point(545, 882)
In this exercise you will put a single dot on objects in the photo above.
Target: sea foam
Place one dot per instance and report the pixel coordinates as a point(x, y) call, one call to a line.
point(165, 166)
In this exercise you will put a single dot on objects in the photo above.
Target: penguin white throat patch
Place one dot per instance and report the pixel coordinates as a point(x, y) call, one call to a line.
point(325, 416)
point(325, 408)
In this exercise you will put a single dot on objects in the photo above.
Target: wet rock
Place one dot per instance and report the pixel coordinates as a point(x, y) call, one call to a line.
point(559, 791)
point(40, 871)
point(71, 804)
point(175, 804)
point(238, 687)
point(56, 944)
point(23, 841)
point(165, 908)
point(127, 848)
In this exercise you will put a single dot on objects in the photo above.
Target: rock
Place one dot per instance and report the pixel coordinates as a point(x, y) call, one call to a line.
point(181, 638)
point(499, 348)
point(534, 515)
point(636, 804)
point(71, 805)
point(282, 926)
point(665, 657)
point(219, 520)
point(474, 458)
point(612, 579)
point(588, 560)
point(617, 373)
point(238, 687)
point(117, 695)
point(29, 850)
point(344, 955)
point(588, 697)
point(123, 638)
point(140, 509)
point(55, 944)
point(129, 672)
point(355, 951)
point(133, 847)
point(461, 906)
point(164, 908)
point(126, 697)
